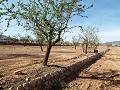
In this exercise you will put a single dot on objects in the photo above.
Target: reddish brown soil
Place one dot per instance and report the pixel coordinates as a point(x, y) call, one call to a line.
point(103, 75)
point(28, 60)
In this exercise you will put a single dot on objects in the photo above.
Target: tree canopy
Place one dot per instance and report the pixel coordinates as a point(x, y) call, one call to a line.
point(49, 17)
point(89, 36)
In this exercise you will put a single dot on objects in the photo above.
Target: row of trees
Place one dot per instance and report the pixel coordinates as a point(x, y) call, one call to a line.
point(18, 38)
point(88, 36)
point(22, 39)
point(46, 18)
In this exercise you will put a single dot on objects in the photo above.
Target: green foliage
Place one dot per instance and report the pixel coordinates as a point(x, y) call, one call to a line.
point(49, 17)
point(39, 37)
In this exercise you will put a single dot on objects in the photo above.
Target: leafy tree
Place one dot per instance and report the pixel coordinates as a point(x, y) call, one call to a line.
point(75, 41)
point(49, 17)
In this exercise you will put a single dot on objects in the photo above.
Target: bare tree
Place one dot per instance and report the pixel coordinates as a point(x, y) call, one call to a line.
point(75, 41)
point(67, 43)
point(94, 37)
point(88, 36)
point(84, 39)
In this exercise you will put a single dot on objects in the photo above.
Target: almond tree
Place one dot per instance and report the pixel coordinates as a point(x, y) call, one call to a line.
point(25, 39)
point(75, 41)
point(84, 39)
point(49, 17)
point(95, 40)
point(88, 36)
point(40, 38)
point(9, 39)
point(14, 39)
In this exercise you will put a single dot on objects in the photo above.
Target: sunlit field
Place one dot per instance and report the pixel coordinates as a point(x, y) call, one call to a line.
point(28, 60)
point(103, 75)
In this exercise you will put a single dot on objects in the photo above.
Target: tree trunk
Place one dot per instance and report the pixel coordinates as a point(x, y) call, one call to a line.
point(13, 44)
point(41, 47)
point(83, 47)
point(24, 44)
point(47, 54)
point(86, 47)
point(75, 46)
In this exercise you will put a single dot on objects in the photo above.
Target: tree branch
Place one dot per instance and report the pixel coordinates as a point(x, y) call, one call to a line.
point(59, 34)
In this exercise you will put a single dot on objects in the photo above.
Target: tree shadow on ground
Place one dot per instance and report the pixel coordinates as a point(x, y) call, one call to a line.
point(105, 76)
point(110, 76)
point(101, 76)
point(71, 77)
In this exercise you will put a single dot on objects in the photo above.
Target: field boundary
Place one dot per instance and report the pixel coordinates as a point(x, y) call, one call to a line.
point(47, 81)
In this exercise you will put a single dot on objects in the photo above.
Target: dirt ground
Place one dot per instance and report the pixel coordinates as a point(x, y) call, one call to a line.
point(28, 61)
point(19, 63)
point(103, 75)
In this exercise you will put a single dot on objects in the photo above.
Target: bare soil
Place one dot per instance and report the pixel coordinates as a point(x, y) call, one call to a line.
point(103, 75)
point(19, 63)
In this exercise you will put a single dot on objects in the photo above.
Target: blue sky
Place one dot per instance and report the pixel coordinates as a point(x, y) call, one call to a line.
point(105, 14)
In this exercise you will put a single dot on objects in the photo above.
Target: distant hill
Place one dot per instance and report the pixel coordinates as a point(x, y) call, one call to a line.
point(114, 43)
